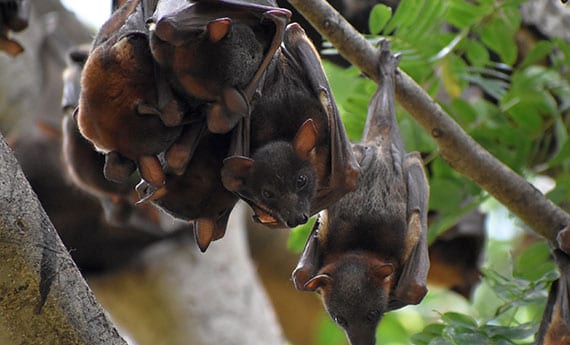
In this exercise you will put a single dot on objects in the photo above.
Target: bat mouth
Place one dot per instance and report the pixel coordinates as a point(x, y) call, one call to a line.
point(263, 216)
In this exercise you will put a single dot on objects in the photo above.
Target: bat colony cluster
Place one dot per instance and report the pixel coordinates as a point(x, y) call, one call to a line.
point(196, 104)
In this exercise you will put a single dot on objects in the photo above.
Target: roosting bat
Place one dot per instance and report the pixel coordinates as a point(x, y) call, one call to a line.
point(555, 326)
point(217, 51)
point(455, 256)
point(302, 161)
point(84, 165)
point(14, 16)
point(119, 105)
point(367, 253)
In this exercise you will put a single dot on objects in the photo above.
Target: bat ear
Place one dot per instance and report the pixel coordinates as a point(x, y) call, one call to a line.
point(236, 169)
point(218, 29)
point(318, 281)
point(305, 139)
point(204, 230)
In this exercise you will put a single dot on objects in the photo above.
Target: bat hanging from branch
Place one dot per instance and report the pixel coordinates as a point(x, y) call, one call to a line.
point(367, 254)
point(302, 161)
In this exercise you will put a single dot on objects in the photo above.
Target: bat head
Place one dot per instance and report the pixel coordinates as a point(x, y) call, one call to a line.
point(355, 291)
point(279, 181)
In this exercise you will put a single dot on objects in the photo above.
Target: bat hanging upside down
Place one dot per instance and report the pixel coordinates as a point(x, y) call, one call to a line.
point(367, 254)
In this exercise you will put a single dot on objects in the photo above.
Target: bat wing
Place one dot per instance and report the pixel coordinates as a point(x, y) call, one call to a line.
point(342, 166)
point(308, 265)
point(411, 285)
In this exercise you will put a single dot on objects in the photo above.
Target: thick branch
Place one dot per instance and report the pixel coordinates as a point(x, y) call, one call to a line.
point(43, 297)
point(456, 147)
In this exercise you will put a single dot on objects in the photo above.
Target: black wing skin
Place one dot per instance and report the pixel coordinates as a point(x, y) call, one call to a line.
point(341, 164)
point(309, 261)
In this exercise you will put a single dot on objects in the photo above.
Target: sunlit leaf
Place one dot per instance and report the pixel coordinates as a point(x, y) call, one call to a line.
point(379, 17)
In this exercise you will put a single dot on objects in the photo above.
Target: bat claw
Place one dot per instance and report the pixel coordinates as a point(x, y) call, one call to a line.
point(147, 191)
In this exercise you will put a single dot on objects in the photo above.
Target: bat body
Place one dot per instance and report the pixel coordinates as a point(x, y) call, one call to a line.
point(84, 166)
point(367, 253)
point(456, 255)
point(302, 161)
point(216, 51)
point(14, 16)
point(119, 107)
point(555, 326)
point(198, 194)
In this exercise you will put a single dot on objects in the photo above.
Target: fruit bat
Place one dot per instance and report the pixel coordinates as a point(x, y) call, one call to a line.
point(367, 253)
point(120, 110)
point(456, 255)
point(216, 51)
point(14, 16)
point(555, 326)
point(83, 165)
point(302, 161)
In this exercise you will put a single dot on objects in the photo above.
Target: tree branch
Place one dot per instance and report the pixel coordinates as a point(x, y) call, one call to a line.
point(455, 146)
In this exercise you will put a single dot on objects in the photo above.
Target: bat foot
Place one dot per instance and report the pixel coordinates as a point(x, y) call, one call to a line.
point(171, 115)
point(279, 16)
point(388, 62)
point(181, 152)
point(118, 168)
point(563, 239)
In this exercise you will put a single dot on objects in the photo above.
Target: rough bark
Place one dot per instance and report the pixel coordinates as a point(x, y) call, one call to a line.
point(43, 297)
point(455, 146)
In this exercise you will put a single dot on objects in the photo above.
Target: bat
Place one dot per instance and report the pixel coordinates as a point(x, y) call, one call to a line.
point(84, 166)
point(119, 107)
point(14, 16)
point(216, 51)
point(367, 253)
point(455, 256)
point(555, 326)
point(302, 161)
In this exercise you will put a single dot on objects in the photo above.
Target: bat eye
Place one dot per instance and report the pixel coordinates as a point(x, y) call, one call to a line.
point(267, 194)
point(301, 181)
point(373, 316)
point(340, 321)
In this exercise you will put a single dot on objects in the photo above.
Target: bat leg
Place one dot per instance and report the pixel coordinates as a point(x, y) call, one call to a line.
point(307, 267)
point(171, 113)
point(118, 168)
point(181, 152)
point(411, 286)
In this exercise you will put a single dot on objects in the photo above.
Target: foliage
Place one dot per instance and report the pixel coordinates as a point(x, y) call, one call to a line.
point(512, 99)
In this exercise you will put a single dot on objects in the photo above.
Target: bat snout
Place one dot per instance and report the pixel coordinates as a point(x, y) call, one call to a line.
point(297, 220)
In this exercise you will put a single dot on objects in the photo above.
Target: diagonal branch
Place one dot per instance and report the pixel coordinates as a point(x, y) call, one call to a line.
point(457, 148)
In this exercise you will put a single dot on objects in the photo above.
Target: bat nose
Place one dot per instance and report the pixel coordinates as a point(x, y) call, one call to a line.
point(298, 220)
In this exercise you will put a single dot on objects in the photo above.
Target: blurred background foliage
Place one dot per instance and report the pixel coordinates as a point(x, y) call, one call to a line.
point(510, 91)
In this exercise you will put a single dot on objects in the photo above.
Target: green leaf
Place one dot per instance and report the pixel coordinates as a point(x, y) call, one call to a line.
point(379, 17)
point(298, 236)
point(463, 14)
point(476, 52)
point(407, 12)
point(445, 194)
point(534, 262)
point(498, 36)
point(458, 319)
point(539, 52)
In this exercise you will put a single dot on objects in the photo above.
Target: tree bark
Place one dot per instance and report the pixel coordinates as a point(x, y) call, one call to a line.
point(43, 297)
point(456, 147)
